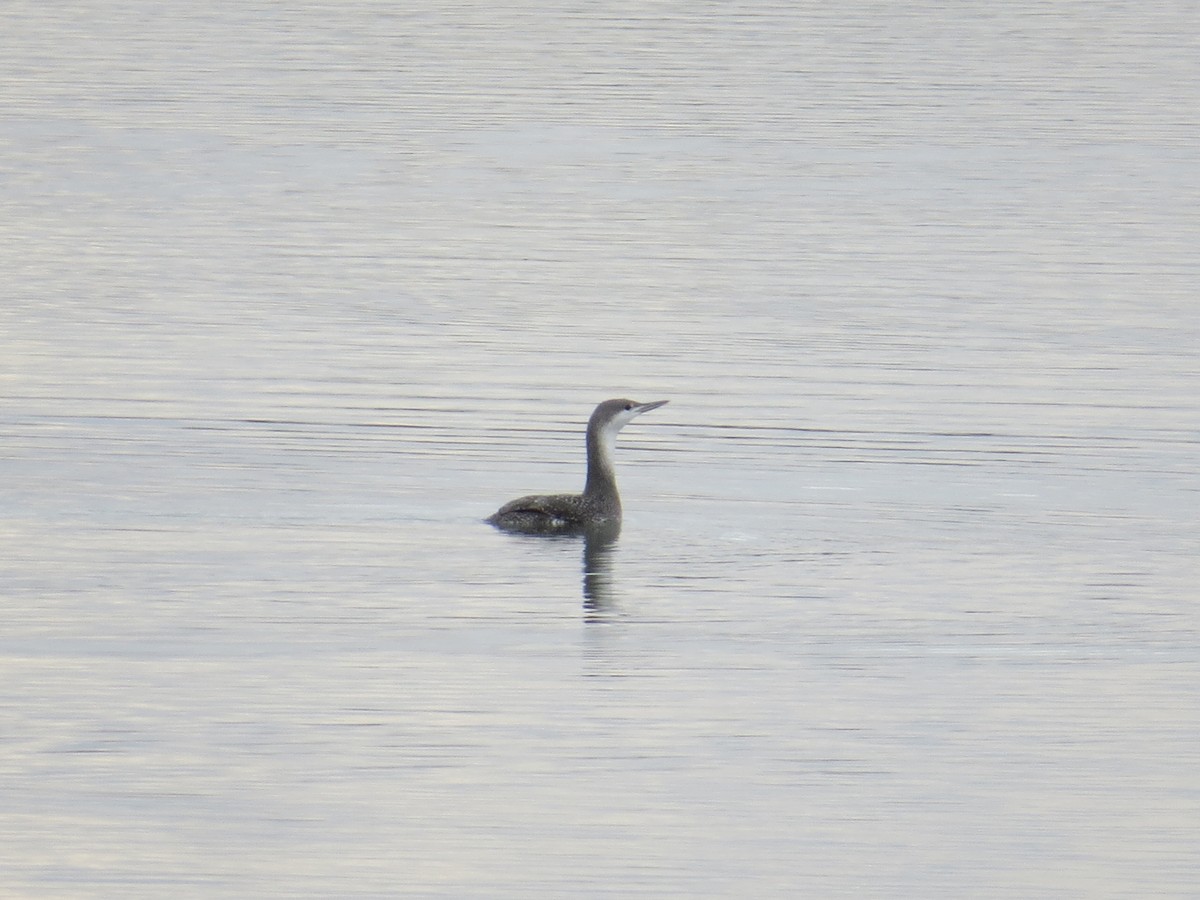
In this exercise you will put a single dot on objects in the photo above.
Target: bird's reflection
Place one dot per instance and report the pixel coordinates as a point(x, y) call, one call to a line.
point(598, 543)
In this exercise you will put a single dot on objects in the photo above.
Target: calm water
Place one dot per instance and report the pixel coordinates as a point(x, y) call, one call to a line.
point(906, 599)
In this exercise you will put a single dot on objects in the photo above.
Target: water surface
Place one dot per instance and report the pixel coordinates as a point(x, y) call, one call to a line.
point(905, 600)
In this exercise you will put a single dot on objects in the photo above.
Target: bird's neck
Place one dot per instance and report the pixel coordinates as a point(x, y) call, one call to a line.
point(601, 487)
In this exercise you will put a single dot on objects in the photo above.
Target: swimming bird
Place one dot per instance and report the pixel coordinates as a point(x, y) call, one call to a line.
point(599, 504)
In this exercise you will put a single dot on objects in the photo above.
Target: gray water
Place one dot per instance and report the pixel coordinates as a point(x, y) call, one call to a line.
point(905, 603)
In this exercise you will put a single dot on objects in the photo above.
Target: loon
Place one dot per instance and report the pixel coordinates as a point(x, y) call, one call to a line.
point(599, 504)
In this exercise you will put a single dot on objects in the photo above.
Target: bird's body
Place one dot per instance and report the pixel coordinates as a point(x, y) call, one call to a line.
point(599, 504)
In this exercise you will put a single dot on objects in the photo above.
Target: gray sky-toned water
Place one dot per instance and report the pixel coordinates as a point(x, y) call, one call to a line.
point(905, 600)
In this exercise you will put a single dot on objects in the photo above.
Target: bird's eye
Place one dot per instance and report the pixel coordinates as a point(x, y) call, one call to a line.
point(628, 406)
